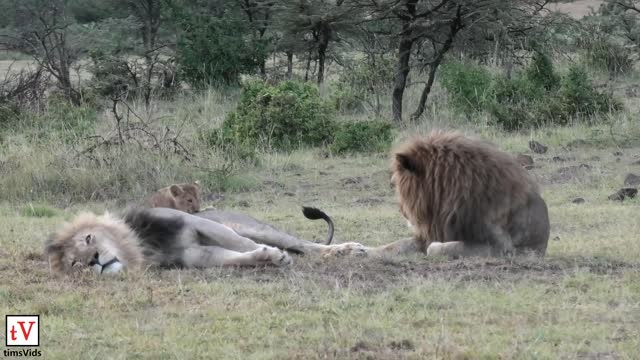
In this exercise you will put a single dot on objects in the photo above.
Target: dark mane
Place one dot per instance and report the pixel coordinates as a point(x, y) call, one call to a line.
point(157, 235)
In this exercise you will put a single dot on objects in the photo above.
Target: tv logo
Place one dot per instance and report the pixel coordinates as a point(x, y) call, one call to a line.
point(22, 330)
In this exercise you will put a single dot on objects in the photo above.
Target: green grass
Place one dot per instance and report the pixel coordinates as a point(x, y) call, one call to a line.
point(582, 301)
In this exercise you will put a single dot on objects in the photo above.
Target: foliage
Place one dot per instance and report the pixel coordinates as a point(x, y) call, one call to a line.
point(281, 117)
point(362, 83)
point(541, 73)
point(215, 50)
point(362, 136)
point(533, 97)
point(469, 86)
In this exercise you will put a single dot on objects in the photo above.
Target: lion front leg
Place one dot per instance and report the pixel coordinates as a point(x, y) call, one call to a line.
point(210, 256)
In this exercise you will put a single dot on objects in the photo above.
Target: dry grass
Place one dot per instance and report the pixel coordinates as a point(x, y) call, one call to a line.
point(582, 301)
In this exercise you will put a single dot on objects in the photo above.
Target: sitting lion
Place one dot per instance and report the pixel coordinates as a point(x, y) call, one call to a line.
point(464, 197)
point(184, 197)
point(171, 238)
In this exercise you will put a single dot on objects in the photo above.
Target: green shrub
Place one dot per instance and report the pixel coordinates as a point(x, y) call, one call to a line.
point(216, 51)
point(541, 73)
point(361, 83)
point(534, 97)
point(363, 136)
point(468, 86)
point(581, 98)
point(281, 117)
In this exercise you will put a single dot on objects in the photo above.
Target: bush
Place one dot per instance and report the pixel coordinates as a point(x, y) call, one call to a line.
point(361, 83)
point(469, 86)
point(608, 56)
point(215, 51)
point(535, 97)
point(364, 136)
point(281, 117)
point(541, 73)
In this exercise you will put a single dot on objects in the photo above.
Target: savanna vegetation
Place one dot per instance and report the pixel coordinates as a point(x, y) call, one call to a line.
point(273, 104)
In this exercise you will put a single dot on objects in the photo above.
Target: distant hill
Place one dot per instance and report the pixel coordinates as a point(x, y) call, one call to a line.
point(577, 9)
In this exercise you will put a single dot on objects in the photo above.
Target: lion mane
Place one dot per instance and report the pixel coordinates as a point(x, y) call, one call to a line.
point(452, 187)
point(64, 246)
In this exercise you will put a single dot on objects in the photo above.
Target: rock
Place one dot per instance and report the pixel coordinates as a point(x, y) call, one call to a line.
point(524, 160)
point(578, 200)
point(632, 180)
point(556, 238)
point(624, 193)
point(536, 147)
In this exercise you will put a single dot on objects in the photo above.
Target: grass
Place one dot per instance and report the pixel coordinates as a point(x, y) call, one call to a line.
point(581, 301)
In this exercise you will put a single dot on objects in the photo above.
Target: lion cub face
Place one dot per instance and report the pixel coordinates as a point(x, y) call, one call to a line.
point(183, 197)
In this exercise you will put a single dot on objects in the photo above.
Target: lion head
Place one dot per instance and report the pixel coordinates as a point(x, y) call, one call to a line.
point(183, 197)
point(104, 243)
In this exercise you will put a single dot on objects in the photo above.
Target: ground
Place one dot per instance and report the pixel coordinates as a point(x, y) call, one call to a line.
point(582, 301)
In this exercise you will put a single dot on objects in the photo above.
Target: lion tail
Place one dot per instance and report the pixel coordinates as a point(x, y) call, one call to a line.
point(312, 213)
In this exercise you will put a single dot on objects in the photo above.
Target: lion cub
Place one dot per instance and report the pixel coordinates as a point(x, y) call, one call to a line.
point(183, 197)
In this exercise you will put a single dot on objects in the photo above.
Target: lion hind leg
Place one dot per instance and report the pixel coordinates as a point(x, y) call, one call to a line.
point(210, 256)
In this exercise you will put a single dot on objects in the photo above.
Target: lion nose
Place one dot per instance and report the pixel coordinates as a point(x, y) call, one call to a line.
point(95, 260)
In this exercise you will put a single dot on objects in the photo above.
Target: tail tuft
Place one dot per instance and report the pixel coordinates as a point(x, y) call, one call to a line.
point(312, 213)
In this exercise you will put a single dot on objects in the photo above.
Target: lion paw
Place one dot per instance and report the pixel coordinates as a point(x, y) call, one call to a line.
point(274, 255)
point(350, 248)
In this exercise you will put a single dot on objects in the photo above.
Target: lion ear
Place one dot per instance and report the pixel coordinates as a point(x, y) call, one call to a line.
point(409, 163)
point(175, 190)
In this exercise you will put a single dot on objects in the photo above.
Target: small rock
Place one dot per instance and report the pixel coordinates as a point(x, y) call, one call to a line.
point(556, 238)
point(584, 166)
point(536, 147)
point(243, 203)
point(624, 193)
point(578, 200)
point(524, 160)
point(632, 180)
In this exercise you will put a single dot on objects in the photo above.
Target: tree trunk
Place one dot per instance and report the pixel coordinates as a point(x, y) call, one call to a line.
point(433, 68)
point(323, 44)
point(289, 64)
point(402, 71)
point(308, 67)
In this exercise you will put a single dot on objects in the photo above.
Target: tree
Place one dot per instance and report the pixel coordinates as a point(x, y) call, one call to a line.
point(320, 22)
point(40, 30)
point(428, 29)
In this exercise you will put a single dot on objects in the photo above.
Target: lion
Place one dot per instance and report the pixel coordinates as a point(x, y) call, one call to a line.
point(464, 197)
point(164, 237)
point(184, 197)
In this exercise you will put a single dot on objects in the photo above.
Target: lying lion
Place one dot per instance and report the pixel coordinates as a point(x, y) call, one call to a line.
point(171, 238)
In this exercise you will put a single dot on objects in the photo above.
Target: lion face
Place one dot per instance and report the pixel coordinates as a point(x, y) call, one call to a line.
point(187, 197)
point(86, 248)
